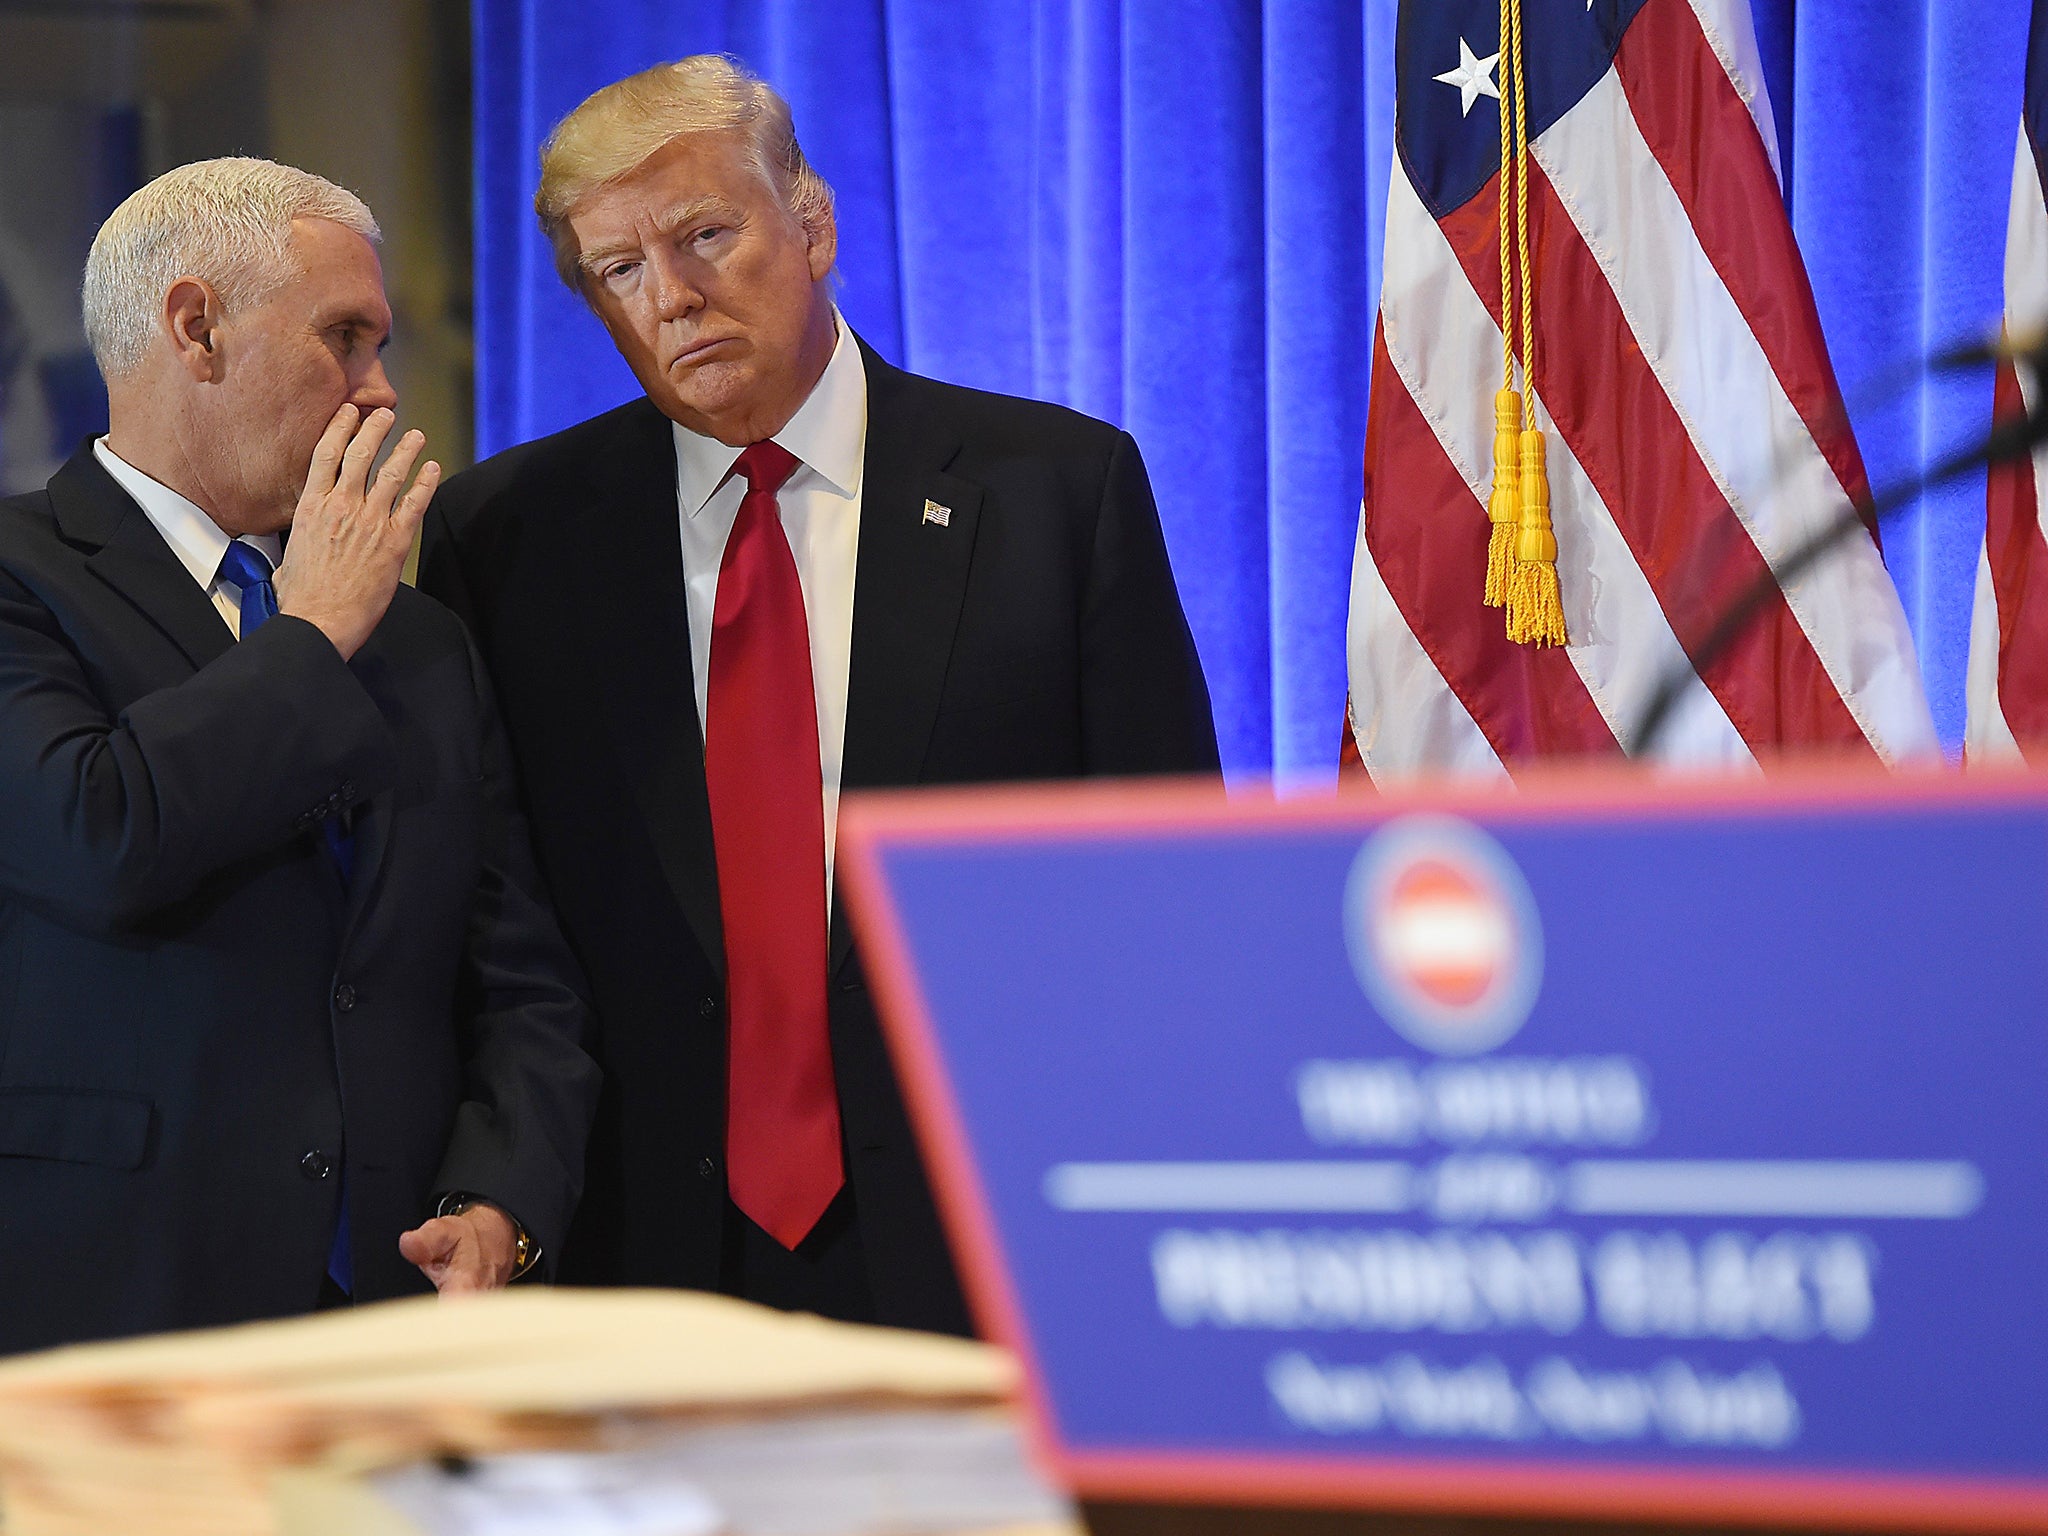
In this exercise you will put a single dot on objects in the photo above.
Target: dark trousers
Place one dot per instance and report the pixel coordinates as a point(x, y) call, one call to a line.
point(332, 1296)
point(826, 1274)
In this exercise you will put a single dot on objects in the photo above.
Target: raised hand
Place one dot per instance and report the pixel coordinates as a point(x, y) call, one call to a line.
point(351, 531)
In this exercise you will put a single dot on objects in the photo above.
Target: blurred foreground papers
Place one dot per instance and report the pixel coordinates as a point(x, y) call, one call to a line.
point(575, 1413)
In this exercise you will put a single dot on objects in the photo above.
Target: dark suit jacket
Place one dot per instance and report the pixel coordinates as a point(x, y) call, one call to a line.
point(199, 1028)
point(1037, 635)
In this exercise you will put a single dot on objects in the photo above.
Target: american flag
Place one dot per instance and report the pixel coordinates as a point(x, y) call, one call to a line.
point(1695, 432)
point(2008, 677)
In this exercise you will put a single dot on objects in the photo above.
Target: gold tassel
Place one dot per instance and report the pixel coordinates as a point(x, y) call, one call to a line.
point(1521, 552)
point(1535, 607)
point(1503, 506)
point(1503, 512)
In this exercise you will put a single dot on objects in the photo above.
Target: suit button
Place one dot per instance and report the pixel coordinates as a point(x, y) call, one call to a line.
point(348, 791)
point(707, 1007)
point(316, 1165)
point(707, 1167)
point(344, 997)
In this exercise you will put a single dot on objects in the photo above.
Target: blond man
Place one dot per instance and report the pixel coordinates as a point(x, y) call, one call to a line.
point(791, 570)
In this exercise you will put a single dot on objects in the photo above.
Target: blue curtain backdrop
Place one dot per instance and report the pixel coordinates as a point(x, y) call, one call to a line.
point(1168, 212)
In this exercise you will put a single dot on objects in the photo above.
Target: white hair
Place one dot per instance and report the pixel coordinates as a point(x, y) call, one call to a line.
point(227, 222)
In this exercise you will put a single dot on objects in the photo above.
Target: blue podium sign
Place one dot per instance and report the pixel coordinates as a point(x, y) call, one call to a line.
point(1611, 1147)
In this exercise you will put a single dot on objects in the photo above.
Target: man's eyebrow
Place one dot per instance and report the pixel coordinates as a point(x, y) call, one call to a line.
point(689, 213)
point(667, 223)
point(356, 320)
point(591, 257)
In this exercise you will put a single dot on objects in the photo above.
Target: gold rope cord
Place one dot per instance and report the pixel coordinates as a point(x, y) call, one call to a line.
point(1521, 156)
point(1535, 608)
point(1503, 503)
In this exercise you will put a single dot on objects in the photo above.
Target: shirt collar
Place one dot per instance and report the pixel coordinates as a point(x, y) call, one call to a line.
point(828, 433)
point(196, 539)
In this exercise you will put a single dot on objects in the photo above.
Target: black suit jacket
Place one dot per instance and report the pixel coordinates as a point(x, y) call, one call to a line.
point(1036, 635)
point(200, 1029)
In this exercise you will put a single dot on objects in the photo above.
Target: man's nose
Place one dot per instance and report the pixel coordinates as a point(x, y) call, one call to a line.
point(374, 390)
point(674, 294)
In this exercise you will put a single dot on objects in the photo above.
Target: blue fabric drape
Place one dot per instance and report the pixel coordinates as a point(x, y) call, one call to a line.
point(1167, 213)
point(1904, 122)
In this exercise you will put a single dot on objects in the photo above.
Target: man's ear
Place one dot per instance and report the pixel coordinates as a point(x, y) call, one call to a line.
point(823, 247)
point(192, 322)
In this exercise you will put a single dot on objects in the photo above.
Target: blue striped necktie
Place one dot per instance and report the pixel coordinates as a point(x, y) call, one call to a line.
point(247, 569)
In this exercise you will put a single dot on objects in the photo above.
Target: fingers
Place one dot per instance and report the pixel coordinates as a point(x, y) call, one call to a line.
point(354, 476)
point(327, 452)
point(392, 476)
point(342, 567)
point(405, 517)
point(433, 1242)
point(451, 1253)
point(464, 1277)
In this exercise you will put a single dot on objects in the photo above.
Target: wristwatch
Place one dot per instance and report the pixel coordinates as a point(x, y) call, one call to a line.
point(525, 1251)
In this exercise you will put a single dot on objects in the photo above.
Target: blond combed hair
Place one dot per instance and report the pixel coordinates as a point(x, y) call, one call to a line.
point(615, 130)
point(227, 222)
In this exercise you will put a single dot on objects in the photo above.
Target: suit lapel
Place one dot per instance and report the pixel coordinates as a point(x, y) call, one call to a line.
point(910, 578)
point(370, 822)
point(131, 557)
point(631, 551)
point(370, 834)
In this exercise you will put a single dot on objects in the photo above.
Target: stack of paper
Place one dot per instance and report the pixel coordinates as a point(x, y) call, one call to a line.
point(574, 1413)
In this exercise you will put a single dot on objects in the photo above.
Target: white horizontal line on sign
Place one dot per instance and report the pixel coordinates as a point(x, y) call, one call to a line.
point(1381, 1187)
point(1821, 1189)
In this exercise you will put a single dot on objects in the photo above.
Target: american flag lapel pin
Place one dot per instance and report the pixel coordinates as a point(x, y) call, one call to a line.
point(934, 513)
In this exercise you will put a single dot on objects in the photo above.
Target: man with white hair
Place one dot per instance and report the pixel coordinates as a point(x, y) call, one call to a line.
point(791, 569)
point(284, 1020)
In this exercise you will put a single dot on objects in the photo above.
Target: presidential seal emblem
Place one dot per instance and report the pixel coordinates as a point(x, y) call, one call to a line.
point(1443, 934)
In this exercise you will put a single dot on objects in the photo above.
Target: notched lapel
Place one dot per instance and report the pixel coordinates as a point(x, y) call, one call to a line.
point(130, 556)
point(370, 821)
point(910, 579)
point(631, 550)
point(369, 831)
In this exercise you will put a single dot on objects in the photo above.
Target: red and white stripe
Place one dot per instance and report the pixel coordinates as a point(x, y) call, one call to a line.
point(2007, 685)
point(1696, 435)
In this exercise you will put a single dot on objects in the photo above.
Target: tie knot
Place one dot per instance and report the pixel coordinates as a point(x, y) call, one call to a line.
point(245, 566)
point(765, 465)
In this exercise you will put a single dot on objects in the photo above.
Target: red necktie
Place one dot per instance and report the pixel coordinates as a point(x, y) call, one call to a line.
point(783, 1163)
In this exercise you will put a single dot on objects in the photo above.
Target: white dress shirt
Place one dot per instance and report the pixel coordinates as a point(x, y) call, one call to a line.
point(196, 539)
point(820, 506)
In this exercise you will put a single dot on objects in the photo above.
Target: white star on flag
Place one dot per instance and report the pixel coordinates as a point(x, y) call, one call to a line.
point(1473, 77)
